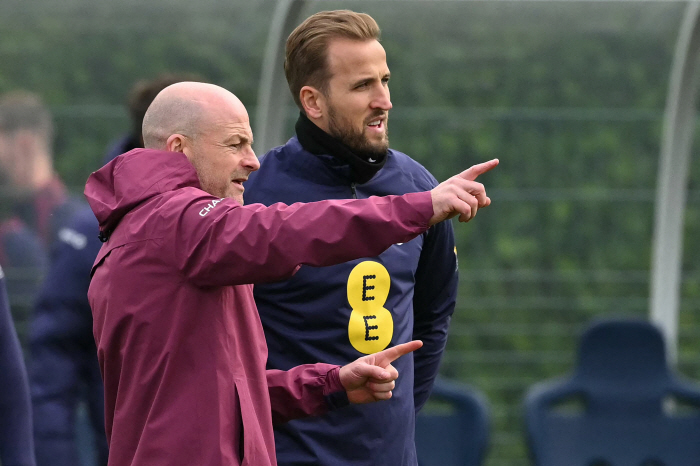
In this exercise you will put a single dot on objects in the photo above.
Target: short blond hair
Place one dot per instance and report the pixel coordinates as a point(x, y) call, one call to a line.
point(306, 61)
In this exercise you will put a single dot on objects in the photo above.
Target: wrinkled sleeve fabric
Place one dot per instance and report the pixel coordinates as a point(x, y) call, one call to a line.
point(434, 299)
point(306, 390)
point(16, 444)
point(230, 244)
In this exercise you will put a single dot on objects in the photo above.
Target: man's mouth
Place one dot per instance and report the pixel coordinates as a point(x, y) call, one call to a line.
point(376, 125)
point(239, 182)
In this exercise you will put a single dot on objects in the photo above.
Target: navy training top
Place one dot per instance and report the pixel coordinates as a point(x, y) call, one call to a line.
point(337, 314)
point(16, 444)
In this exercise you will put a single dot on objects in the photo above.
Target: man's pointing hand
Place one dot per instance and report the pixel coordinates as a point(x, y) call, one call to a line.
point(371, 378)
point(461, 195)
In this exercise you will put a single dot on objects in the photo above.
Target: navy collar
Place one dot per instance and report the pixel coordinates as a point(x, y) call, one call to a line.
point(318, 142)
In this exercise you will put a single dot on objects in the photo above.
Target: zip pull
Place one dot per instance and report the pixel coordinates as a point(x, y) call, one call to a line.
point(354, 190)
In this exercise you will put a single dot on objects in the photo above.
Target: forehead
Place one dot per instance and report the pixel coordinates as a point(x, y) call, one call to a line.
point(350, 58)
point(230, 119)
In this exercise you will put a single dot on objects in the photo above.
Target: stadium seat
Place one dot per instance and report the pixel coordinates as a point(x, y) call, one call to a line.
point(452, 429)
point(621, 407)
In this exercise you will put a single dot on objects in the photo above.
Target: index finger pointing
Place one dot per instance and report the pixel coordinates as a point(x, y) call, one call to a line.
point(386, 357)
point(473, 172)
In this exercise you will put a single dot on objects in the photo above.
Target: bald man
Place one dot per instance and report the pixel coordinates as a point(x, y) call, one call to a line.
point(180, 345)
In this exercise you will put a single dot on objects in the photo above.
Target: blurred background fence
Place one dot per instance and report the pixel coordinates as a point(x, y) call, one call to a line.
point(569, 95)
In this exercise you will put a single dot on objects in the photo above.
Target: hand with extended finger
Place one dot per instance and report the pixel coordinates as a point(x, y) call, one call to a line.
point(461, 195)
point(371, 378)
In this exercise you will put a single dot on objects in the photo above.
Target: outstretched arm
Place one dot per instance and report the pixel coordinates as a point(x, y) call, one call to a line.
point(215, 236)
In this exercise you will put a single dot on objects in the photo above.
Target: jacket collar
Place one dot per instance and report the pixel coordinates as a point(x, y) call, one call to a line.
point(318, 142)
point(133, 178)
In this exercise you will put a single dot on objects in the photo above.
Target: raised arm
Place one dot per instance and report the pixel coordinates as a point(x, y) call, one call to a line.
point(234, 244)
point(221, 242)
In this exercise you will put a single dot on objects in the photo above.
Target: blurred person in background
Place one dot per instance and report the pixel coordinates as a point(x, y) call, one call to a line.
point(40, 199)
point(35, 202)
point(63, 367)
point(64, 370)
point(337, 72)
point(16, 446)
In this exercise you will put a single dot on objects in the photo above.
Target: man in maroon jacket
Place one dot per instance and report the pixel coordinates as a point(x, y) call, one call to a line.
point(180, 344)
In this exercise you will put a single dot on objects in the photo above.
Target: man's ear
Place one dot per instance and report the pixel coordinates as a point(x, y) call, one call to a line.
point(313, 101)
point(175, 143)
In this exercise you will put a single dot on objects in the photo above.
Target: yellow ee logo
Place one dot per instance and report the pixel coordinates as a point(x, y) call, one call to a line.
point(371, 326)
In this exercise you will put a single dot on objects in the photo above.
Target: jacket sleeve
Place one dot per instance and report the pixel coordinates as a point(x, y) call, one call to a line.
point(223, 243)
point(64, 357)
point(16, 444)
point(433, 304)
point(307, 390)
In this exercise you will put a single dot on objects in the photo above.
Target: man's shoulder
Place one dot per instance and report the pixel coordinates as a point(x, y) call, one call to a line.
point(182, 204)
point(80, 232)
point(182, 197)
point(413, 171)
point(83, 218)
point(288, 162)
point(407, 161)
point(292, 146)
point(65, 211)
point(160, 212)
point(279, 156)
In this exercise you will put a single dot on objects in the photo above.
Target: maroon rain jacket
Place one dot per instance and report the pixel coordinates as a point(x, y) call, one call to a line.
point(180, 344)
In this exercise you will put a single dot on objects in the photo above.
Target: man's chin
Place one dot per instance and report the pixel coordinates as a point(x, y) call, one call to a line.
point(378, 147)
point(374, 151)
point(362, 144)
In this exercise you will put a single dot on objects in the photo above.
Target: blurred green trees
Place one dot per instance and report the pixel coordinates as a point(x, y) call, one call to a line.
point(568, 95)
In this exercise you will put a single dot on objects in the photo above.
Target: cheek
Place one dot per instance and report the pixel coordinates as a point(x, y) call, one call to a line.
point(351, 108)
point(357, 107)
point(223, 166)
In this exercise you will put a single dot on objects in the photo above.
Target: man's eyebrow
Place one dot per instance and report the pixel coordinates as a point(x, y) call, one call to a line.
point(367, 79)
point(363, 80)
point(241, 137)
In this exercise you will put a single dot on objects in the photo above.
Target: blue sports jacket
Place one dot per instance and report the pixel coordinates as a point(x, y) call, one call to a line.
point(337, 314)
point(27, 234)
point(16, 447)
point(64, 366)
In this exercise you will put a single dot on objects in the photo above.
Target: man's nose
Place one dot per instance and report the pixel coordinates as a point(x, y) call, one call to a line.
point(382, 99)
point(251, 160)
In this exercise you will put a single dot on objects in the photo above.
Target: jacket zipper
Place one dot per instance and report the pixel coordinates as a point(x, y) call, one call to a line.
point(354, 190)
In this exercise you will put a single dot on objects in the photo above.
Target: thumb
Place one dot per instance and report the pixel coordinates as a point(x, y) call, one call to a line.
point(474, 171)
point(373, 372)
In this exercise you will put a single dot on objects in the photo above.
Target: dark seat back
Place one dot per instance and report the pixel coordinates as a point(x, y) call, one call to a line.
point(621, 407)
point(452, 429)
